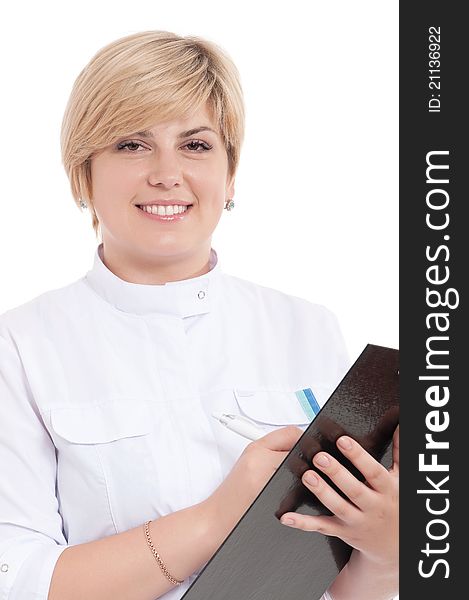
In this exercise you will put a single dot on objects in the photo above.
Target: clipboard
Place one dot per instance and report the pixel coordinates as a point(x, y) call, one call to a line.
point(261, 559)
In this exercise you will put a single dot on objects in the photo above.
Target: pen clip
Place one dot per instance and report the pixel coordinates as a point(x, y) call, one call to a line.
point(224, 418)
point(241, 418)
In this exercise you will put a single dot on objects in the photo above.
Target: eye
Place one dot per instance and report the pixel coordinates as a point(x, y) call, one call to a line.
point(130, 145)
point(198, 146)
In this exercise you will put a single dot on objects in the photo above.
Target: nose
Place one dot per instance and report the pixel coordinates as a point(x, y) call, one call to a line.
point(165, 170)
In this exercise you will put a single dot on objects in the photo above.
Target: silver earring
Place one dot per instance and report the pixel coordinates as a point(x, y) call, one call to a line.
point(229, 204)
point(83, 204)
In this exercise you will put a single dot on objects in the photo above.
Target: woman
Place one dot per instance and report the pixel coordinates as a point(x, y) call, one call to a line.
point(112, 456)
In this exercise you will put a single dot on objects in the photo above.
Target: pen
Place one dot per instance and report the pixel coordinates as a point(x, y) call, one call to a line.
point(241, 425)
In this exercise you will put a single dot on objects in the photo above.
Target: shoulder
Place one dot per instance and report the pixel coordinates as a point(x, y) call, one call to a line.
point(271, 300)
point(296, 327)
point(288, 315)
point(39, 312)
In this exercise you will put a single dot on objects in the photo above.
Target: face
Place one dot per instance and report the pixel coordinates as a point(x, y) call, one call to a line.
point(179, 170)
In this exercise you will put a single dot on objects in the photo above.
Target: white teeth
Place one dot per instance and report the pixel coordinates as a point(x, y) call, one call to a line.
point(158, 209)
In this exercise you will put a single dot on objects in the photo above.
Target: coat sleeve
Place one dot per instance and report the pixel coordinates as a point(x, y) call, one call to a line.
point(31, 536)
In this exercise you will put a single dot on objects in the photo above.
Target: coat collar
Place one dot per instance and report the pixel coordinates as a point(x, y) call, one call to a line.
point(185, 298)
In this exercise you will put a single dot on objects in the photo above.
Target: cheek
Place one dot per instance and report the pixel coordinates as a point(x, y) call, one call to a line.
point(210, 187)
point(112, 183)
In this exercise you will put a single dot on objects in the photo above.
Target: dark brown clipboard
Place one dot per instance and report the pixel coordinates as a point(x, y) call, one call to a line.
point(261, 559)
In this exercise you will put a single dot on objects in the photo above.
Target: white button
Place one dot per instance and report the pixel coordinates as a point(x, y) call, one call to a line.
point(4, 568)
point(201, 295)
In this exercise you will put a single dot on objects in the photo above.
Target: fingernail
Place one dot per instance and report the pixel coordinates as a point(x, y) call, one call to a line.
point(322, 460)
point(287, 521)
point(311, 478)
point(345, 443)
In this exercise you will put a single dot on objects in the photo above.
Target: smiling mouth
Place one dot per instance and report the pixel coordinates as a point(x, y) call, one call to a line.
point(165, 211)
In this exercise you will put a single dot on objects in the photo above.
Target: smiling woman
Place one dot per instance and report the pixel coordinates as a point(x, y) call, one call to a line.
point(146, 79)
point(181, 171)
point(184, 99)
point(117, 481)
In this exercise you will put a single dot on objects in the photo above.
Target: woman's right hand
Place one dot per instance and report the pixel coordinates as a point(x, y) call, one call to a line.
point(247, 478)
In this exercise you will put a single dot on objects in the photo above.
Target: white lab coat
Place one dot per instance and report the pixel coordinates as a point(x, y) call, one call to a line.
point(106, 394)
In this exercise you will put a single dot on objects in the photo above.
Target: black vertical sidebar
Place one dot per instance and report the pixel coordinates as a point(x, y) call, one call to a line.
point(434, 164)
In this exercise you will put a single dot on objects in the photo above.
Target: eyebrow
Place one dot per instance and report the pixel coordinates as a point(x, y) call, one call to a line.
point(148, 134)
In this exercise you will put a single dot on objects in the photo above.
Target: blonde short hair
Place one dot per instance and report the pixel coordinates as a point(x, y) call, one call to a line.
point(140, 80)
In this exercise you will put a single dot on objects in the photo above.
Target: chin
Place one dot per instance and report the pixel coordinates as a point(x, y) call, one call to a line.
point(168, 250)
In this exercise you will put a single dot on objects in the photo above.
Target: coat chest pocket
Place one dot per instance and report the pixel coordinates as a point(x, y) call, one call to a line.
point(273, 408)
point(101, 423)
point(104, 462)
point(111, 437)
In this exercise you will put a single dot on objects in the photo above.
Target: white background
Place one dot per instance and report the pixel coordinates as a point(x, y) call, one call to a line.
point(316, 196)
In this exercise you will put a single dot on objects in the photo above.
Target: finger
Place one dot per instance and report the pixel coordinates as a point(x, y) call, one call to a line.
point(377, 476)
point(322, 524)
point(329, 429)
point(277, 458)
point(395, 450)
point(281, 439)
point(339, 506)
point(383, 430)
point(356, 491)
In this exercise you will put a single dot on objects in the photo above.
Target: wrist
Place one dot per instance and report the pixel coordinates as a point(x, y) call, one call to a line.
point(366, 579)
point(217, 523)
point(203, 517)
point(362, 563)
point(207, 515)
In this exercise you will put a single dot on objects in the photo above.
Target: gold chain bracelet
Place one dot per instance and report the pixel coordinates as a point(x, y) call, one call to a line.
point(172, 579)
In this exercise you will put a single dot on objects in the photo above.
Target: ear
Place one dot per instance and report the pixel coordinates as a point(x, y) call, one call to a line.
point(230, 186)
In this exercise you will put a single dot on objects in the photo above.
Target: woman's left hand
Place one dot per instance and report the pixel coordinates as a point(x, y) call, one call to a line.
point(369, 520)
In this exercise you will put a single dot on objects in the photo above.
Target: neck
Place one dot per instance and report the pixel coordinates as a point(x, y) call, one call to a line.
point(151, 270)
